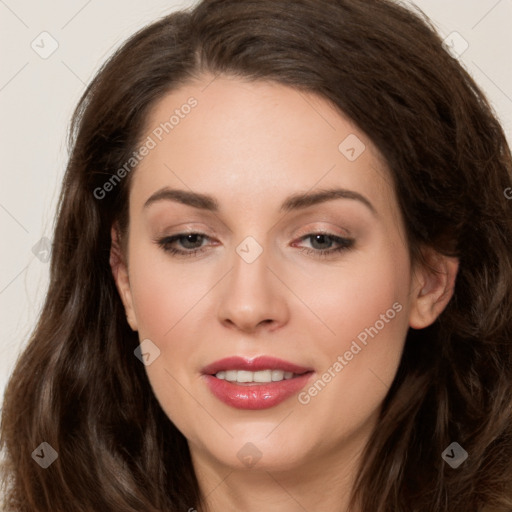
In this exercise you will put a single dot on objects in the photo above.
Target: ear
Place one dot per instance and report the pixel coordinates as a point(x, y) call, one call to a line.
point(432, 287)
point(119, 267)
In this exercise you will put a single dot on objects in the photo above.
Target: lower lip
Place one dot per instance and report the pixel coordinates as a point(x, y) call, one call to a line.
point(256, 396)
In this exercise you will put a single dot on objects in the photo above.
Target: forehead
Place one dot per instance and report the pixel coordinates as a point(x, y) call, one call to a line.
point(253, 141)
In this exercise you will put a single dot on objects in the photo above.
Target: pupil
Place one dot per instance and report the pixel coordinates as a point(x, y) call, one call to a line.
point(192, 240)
point(321, 239)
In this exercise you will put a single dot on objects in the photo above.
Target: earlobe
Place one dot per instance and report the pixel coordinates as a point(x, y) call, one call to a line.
point(119, 269)
point(432, 289)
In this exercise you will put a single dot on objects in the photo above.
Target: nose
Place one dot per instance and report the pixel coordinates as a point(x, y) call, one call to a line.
point(252, 296)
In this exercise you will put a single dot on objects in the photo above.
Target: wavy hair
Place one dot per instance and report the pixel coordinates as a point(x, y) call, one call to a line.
point(78, 386)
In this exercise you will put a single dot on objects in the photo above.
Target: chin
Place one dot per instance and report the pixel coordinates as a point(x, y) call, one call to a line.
point(258, 453)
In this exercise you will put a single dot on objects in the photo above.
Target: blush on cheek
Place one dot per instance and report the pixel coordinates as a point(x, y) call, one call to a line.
point(369, 322)
point(162, 295)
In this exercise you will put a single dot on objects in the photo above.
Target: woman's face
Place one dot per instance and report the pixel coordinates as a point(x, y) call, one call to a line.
point(281, 270)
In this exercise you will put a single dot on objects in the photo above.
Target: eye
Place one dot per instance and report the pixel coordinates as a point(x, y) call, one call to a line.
point(192, 242)
point(322, 244)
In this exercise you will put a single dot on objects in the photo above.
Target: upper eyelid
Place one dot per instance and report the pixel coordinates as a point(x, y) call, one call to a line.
point(345, 233)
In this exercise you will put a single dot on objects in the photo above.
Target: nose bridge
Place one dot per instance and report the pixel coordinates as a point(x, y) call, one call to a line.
point(250, 274)
point(252, 294)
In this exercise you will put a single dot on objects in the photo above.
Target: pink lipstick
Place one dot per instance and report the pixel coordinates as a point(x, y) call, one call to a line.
point(257, 383)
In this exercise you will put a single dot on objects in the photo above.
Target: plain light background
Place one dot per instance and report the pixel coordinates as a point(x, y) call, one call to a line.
point(38, 95)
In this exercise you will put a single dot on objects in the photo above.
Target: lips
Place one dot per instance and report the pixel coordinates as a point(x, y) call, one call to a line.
point(253, 365)
point(255, 396)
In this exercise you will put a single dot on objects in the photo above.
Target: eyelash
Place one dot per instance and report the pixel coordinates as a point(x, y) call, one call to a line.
point(344, 245)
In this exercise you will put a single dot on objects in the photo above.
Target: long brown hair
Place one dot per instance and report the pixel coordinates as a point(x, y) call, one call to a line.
point(78, 386)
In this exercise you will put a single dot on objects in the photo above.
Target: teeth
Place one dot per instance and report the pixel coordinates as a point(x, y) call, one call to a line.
point(277, 375)
point(261, 376)
point(231, 375)
point(244, 376)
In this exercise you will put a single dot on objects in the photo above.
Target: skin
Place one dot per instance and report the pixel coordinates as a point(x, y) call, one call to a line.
point(251, 145)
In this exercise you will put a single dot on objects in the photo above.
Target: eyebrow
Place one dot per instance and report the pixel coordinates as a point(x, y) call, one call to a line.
point(296, 201)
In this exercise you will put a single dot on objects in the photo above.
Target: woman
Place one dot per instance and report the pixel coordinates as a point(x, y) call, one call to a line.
point(281, 276)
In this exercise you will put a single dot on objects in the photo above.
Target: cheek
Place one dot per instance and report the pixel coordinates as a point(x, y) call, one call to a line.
point(169, 300)
point(350, 297)
point(365, 307)
point(166, 298)
point(163, 293)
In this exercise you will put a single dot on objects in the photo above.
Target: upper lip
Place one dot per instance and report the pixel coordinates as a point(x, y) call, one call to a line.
point(253, 365)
